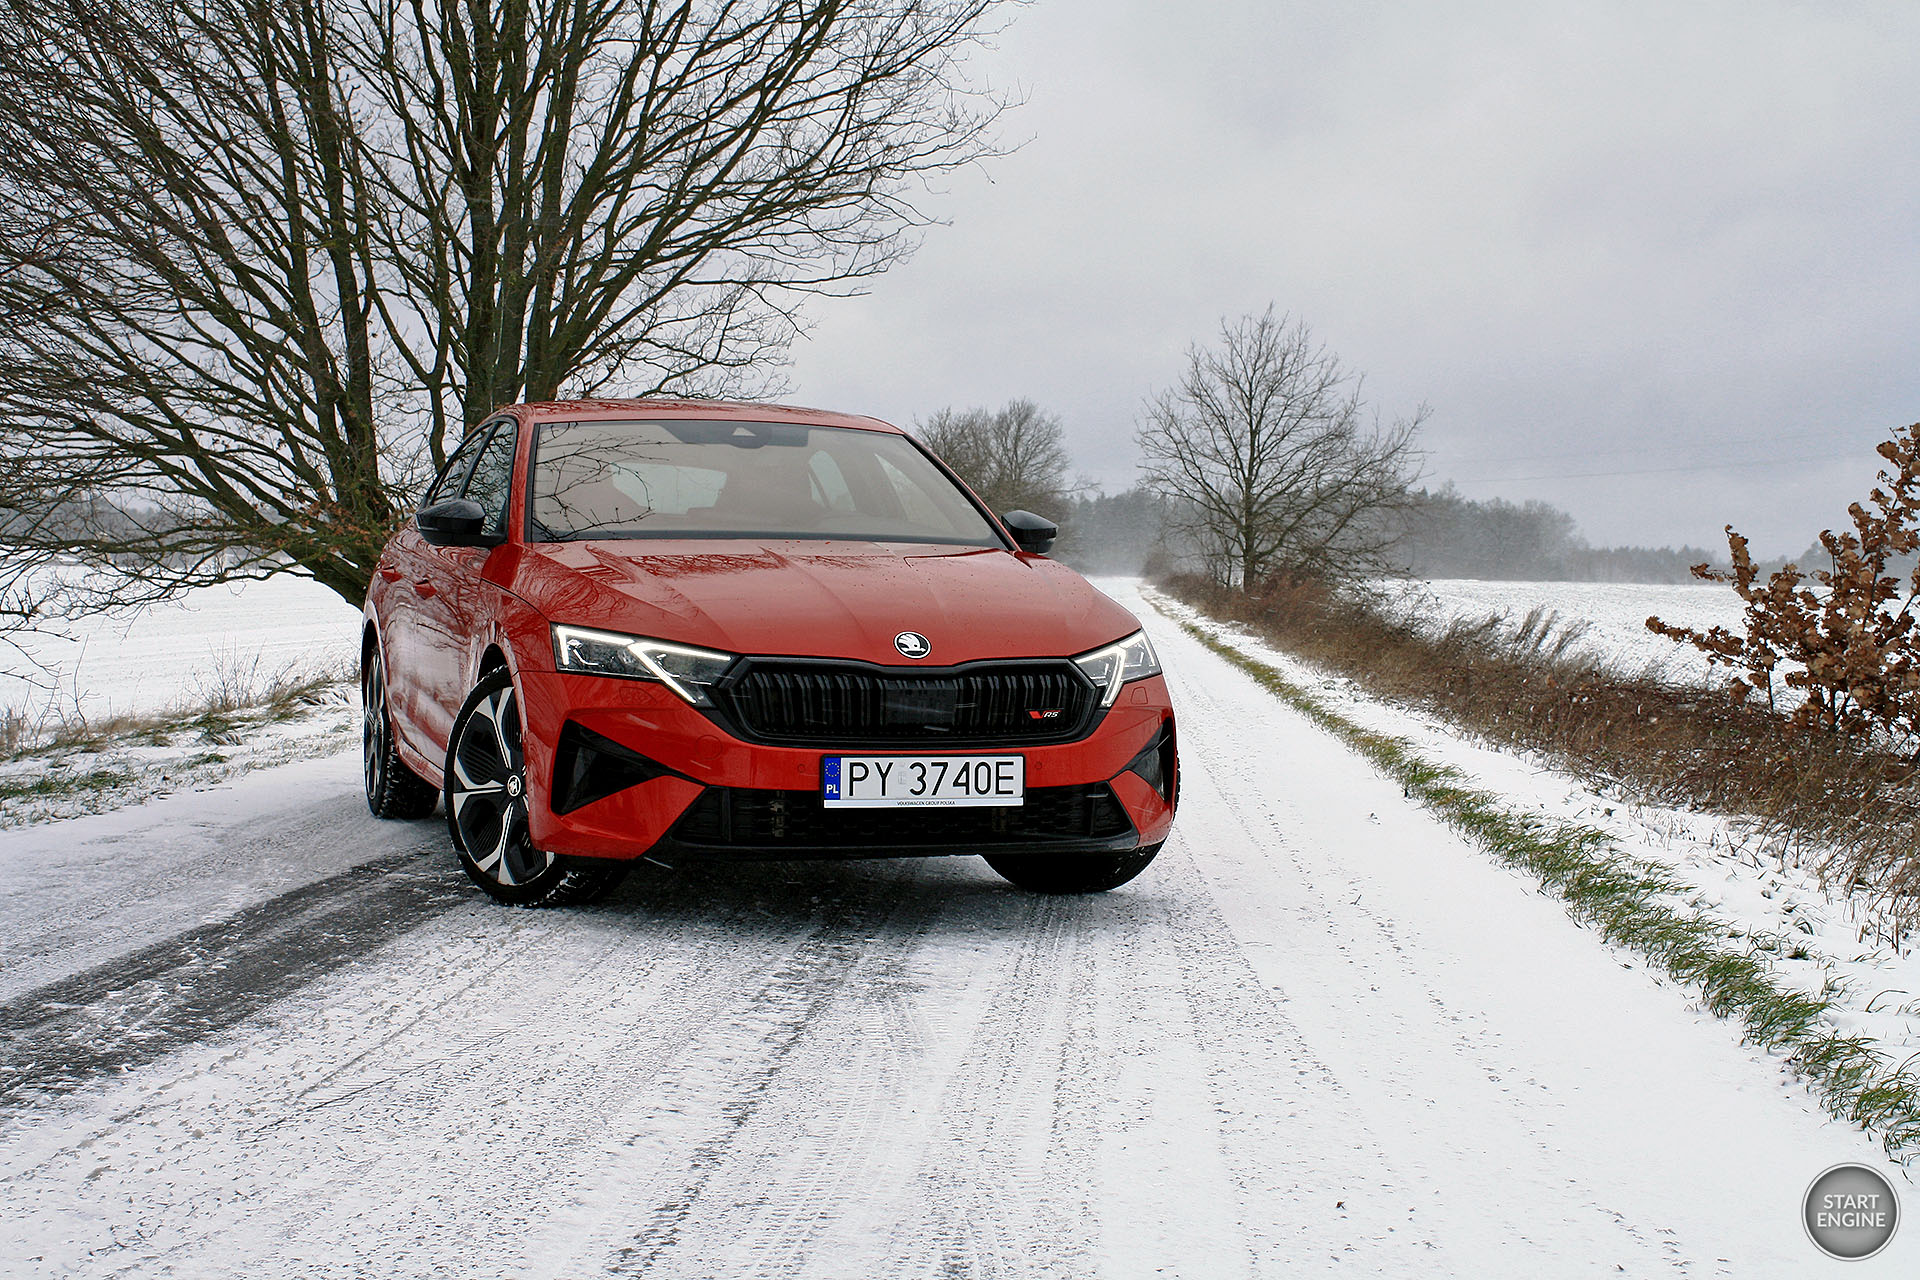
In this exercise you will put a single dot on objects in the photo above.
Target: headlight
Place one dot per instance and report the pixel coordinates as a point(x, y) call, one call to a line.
point(1113, 666)
point(687, 671)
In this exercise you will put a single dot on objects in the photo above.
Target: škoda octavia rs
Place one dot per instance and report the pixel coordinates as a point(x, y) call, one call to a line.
point(687, 628)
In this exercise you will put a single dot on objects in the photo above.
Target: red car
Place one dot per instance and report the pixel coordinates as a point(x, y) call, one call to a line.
point(690, 628)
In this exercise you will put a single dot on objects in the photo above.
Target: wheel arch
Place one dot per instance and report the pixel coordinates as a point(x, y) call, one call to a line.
point(514, 636)
point(493, 656)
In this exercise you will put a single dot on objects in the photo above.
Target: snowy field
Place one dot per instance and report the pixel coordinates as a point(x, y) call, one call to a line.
point(1615, 614)
point(250, 1031)
point(154, 659)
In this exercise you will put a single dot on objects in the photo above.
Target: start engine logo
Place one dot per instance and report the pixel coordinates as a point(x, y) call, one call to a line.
point(1851, 1212)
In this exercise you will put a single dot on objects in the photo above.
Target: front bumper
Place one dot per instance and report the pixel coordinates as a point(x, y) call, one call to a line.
point(667, 780)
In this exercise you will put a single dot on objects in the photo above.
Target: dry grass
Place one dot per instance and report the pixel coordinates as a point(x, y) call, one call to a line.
point(1530, 687)
point(211, 713)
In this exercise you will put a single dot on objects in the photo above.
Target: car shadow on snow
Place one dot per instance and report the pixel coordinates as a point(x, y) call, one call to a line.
point(917, 894)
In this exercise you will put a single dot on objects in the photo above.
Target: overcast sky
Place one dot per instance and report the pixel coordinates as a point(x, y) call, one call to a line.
point(1654, 263)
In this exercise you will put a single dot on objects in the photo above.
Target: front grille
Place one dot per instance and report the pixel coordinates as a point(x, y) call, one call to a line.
point(847, 704)
point(744, 817)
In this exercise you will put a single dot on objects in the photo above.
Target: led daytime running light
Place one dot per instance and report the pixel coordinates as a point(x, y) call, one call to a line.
point(1119, 663)
point(646, 653)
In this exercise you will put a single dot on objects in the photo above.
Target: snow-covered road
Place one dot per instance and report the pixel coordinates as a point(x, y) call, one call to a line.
point(252, 1032)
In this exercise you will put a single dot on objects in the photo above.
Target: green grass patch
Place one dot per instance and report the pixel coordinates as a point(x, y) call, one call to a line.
point(64, 784)
point(1632, 904)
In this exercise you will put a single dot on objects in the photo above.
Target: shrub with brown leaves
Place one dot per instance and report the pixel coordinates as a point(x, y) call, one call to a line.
point(1844, 635)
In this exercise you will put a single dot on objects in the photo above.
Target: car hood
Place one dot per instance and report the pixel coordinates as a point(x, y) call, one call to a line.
point(825, 599)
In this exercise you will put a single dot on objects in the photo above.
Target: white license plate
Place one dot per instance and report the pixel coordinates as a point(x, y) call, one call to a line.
point(871, 782)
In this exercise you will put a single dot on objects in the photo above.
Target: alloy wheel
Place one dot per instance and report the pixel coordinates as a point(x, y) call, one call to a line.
point(374, 729)
point(487, 791)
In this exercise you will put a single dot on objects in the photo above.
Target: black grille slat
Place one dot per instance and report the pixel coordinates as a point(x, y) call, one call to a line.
point(844, 705)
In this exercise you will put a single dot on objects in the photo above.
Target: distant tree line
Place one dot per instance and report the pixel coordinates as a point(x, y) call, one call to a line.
point(1452, 536)
point(1260, 464)
point(1112, 533)
point(1448, 536)
point(1015, 457)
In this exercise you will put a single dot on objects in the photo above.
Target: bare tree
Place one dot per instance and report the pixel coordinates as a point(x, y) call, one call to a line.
point(1269, 467)
point(1014, 457)
point(263, 264)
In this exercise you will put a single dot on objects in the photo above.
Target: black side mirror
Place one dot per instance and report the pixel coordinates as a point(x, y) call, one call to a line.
point(1031, 532)
point(456, 522)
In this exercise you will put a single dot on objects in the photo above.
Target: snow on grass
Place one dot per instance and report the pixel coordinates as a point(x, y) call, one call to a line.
point(111, 771)
point(1830, 947)
point(121, 708)
point(1613, 614)
point(212, 642)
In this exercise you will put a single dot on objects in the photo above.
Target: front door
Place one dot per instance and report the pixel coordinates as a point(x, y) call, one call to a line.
point(464, 605)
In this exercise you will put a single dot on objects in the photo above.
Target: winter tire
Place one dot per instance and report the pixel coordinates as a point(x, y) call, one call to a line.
point(393, 790)
point(487, 808)
point(1073, 872)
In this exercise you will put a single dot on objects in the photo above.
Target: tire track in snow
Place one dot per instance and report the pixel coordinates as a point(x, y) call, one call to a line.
point(1332, 901)
point(1281, 1171)
point(827, 1168)
point(1431, 1069)
point(1313, 1181)
point(927, 1101)
point(80, 893)
point(1006, 1183)
point(128, 1012)
point(1034, 1120)
point(589, 1009)
point(732, 1158)
point(515, 1043)
point(783, 1012)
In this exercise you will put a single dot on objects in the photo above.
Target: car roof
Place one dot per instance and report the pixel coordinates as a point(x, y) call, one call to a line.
point(664, 407)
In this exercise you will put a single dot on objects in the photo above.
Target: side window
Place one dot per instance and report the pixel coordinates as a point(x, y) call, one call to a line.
point(492, 479)
point(448, 485)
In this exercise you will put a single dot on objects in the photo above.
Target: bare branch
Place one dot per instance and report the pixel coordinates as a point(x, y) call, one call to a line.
point(261, 264)
point(1014, 457)
point(1263, 454)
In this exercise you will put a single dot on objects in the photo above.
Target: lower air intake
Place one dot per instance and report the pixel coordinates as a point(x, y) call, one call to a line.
point(740, 817)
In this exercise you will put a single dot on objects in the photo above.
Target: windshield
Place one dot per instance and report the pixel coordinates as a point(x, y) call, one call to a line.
point(724, 479)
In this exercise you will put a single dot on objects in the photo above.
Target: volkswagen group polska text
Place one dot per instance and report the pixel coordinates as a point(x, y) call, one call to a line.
point(691, 628)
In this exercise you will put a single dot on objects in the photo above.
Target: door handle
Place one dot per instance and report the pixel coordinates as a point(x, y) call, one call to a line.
point(390, 574)
point(423, 587)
